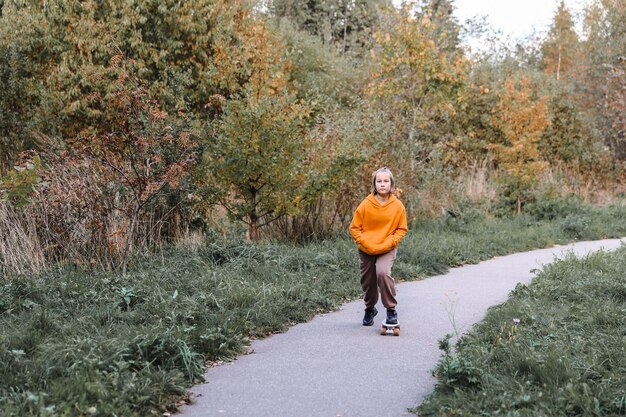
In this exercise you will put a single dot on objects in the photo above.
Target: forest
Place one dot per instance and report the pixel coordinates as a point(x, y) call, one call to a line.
point(129, 125)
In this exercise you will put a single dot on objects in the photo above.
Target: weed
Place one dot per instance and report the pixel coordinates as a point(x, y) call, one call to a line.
point(450, 307)
point(453, 369)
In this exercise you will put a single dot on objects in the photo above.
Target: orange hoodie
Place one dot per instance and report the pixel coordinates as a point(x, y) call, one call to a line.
point(378, 228)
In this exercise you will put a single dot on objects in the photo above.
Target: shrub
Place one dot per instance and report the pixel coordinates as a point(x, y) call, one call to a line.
point(551, 208)
point(574, 226)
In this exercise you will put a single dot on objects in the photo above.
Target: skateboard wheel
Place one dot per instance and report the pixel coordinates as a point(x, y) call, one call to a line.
point(396, 331)
point(383, 331)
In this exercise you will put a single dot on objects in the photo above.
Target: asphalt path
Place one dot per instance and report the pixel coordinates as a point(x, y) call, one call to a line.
point(333, 366)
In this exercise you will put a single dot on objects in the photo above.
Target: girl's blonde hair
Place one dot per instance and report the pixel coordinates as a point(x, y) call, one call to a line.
point(378, 171)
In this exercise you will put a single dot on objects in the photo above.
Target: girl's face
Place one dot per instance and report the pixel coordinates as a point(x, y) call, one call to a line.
point(383, 183)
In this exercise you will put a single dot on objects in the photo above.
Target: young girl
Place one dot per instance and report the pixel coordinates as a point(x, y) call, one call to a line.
point(378, 225)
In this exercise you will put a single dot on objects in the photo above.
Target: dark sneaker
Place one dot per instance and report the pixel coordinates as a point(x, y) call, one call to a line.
point(392, 317)
point(368, 319)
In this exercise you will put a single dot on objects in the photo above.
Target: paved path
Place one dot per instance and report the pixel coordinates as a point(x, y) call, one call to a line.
point(333, 366)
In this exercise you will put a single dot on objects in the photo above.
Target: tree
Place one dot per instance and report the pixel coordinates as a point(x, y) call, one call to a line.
point(257, 163)
point(446, 27)
point(343, 129)
point(521, 118)
point(145, 150)
point(419, 82)
point(345, 24)
point(560, 48)
point(567, 139)
point(616, 107)
point(27, 44)
point(186, 52)
point(602, 65)
point(321, 76)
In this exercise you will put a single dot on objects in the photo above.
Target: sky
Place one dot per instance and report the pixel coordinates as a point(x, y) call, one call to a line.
point(515, 18)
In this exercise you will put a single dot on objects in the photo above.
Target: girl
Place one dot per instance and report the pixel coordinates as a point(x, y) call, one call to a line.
point(378, 225)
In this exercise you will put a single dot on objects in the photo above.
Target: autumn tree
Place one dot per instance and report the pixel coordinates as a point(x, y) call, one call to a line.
point(418, 81)
point(344, 126)
point(522, 117)
point(146, 150)
point(446, 28)
point(264, 163)
point(186, 52)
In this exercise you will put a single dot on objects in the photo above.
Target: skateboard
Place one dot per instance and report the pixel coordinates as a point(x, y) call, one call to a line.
point(393, 329)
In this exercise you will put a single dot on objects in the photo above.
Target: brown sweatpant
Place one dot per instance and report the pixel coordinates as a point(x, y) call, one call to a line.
point(375, 275)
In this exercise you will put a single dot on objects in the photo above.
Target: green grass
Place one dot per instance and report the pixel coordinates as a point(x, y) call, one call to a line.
point(565, 357)
point(74, 343)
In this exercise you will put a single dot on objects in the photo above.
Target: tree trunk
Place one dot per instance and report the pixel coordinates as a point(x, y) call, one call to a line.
point(345, 28)
point(253, 228)
point(412, 140)
point(129, 239)
point(328, 28)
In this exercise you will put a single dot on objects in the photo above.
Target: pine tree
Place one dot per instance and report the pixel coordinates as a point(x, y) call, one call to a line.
point(446, 28)
point(560, 48)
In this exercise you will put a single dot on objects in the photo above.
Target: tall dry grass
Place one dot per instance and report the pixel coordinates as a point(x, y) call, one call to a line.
point(21, 251)
point(599, 189)
point(474, 184)
point(478, 183)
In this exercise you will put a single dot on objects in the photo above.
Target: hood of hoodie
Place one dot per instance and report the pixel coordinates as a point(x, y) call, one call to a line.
point(374, 201)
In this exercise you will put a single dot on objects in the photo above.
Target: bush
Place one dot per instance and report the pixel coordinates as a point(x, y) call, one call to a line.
point(574, 226)
point(556, 207)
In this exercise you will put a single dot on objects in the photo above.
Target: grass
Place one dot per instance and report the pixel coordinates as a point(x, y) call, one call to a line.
point(565, 354)
point(74, 343)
